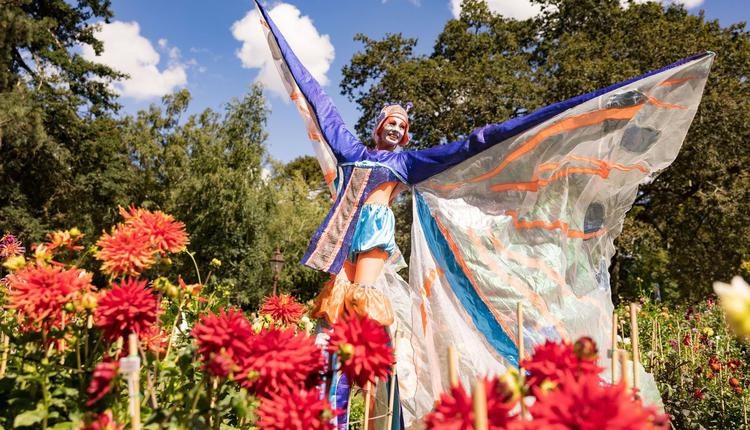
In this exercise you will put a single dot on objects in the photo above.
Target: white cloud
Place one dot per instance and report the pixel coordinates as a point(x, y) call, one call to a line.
point(524, 9)
point(314, 50)
point(127, 51)
point(518, 9)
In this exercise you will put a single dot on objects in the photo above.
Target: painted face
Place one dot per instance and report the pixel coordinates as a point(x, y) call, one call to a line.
point(391, 133)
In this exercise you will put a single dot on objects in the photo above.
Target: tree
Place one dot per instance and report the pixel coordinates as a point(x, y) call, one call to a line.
point(688, 227)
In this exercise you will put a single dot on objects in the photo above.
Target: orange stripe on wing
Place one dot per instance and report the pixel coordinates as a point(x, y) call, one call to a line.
point(426, 293)
point(605, 167)
point(554, 225)
point(567, 124)
point(531, 296)
point(467, 272)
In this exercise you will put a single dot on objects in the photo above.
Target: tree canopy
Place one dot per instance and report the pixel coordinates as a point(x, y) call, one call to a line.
point(688, 226)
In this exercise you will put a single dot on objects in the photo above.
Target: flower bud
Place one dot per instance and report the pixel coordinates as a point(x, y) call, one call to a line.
point(89, 301)
point(165, 263)
point(346, 351)
point(171, 291)
point(585, 349)
point(74, 232)
point(215, 262)
point(15, 263)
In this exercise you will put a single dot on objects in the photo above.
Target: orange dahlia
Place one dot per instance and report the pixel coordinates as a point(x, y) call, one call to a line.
point(279, 361)
point(155, 340)
point(125, 251)
point(455, 412)
point(129, 307)
point(283, 309)
point(585, 404)
point(164, 232)
point(222, 339)
point(362, 346)
point(102, 380)
point(297, 410)
point(39, 293)
point(551, 361)
point(103, 421)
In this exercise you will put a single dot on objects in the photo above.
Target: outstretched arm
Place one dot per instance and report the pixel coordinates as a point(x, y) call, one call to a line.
point(326, 119)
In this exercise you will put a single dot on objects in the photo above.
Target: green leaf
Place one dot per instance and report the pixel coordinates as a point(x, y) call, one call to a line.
point(29, 418)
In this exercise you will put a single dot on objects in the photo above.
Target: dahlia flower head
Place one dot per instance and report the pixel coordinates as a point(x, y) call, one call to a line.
point(454, 410)
point(222, 339)
point(133, 245)
point(283, 309)
point(102, 380)
point(552, 360)
point(363, 349)
point(296, 410)
point(102, 421)
point(10, 246)
point(128, 307)
point(280, 361)
point(584, 403)
point(39, 294)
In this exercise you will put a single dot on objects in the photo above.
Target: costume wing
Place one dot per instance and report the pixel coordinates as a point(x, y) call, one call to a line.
point(332, 142)
point(531, 219)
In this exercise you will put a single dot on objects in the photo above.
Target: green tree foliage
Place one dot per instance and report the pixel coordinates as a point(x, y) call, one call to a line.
point(60, 163)
point(689, 226)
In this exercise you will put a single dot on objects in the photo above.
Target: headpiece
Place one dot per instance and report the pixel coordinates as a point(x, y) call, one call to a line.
point(393, 110)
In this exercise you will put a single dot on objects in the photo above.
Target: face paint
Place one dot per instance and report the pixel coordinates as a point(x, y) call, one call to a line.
point(391, 133)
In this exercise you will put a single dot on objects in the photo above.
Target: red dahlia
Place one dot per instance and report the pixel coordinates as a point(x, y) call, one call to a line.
point(455, 412)
point(362, 345)
point(39, 293)
point(283, 309)
point(125, 251)
point(585, 404)
point(551, 361)
point(101, 381)
point(222, 339)
point(297, 410)
point(129, 307)
point(279, 361)
point(103, 421)
point(164, 232)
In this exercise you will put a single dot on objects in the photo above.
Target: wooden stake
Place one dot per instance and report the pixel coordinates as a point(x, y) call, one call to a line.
point(613, 351)
point(479, 401)
point(519, 315)
point(452, 366)
point(368, 396)
point(521, 354)
point(623, 356)
point(392, 391)
point(4, 363)
point(132, 369)
point(636, 348)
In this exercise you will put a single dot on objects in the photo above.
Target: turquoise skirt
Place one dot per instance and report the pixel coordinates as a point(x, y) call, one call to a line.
point(376, 228)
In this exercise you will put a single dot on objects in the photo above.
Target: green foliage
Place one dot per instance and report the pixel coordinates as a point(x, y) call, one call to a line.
point(689, 226)
point(695, 360)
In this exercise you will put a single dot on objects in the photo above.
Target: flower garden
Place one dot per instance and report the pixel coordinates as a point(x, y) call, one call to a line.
point(131, 346)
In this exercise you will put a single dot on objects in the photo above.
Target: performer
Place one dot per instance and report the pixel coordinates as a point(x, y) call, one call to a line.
point(525, 211)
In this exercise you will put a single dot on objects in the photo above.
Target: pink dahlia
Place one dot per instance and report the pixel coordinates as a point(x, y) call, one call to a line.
point(551, 361)
point(10, 247)
point(103, 421)
point(222, 339)
point(125, 251)
point(102, 380)
point(129, 307)
point(283, 309)
point(296, 410)
point(39, 293)
point(362, 345)
point(279, 361)
point(164, 232)
point(454, 411)
point(585, 404)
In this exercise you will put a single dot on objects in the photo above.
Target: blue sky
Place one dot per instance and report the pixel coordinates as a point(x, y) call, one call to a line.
point(169, 44)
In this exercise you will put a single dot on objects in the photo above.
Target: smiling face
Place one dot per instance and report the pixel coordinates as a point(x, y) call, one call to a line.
point(391, 133)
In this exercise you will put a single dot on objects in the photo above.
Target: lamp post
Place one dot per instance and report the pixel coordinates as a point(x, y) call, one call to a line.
point(277, 264)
